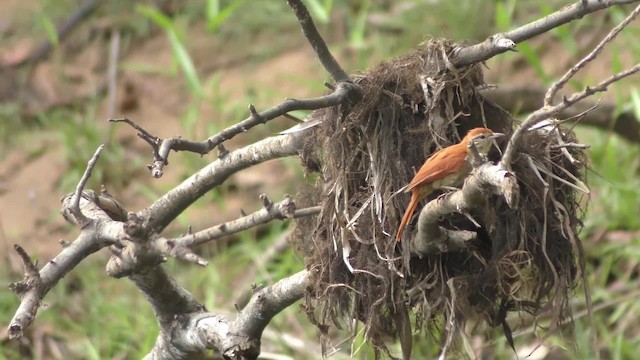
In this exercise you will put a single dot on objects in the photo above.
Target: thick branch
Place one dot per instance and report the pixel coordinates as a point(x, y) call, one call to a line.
point(494, 45)
point(431, 238)
point(169, 206)
point(187, 329)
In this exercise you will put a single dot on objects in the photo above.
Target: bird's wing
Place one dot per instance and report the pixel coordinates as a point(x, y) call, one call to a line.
point(440, 165)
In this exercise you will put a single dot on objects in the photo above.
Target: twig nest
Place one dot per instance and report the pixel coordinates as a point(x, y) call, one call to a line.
point(520, 259)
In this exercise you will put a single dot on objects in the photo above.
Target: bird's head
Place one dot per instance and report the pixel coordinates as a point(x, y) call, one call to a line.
point(482, 139)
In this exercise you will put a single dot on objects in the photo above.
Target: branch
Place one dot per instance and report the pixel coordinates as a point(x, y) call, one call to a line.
point(497, 44)
point(74, 209)
point(285, 209)
point(181, 247)
point(343, 93)
point(319, 46)
point(187, 329)
point(591, 56)
point(432, 239)
point(169, 206)
point(36, 284)
point(548, 111)
point(527, 99)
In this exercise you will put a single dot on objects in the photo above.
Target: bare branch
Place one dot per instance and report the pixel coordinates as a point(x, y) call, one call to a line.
point(528, 99)
point(285, 209)
point(495, 44)
point(319, 46)
point(343, 93)
point(431, 238)
point(75, 206)
point(548, 111)
point(551, 93)
point(170, 205)
point(36, 284)
point(187, 329)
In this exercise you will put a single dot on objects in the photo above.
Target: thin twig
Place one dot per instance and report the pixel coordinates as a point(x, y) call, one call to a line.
point(526, 99)
point(75, 207)
point(278, 211)
point(548, 111)
point(551, 93)
point(319, 46)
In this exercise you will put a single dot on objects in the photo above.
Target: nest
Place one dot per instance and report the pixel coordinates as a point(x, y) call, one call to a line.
point(524, 259)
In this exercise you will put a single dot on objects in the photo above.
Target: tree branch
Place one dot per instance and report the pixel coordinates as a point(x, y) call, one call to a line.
point(285, 209)
point(187, 329)
point(591, 56)
point(496, 44)
point(100, 232)
point(319, 46)
point(343, 93)
point(431, 238)
point(547, 111)
point(527, 99)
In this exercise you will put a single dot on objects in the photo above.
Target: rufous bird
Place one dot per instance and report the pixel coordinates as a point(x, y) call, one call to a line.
point(447, 167)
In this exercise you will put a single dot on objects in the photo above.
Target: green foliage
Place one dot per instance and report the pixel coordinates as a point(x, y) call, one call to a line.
point(176, 39)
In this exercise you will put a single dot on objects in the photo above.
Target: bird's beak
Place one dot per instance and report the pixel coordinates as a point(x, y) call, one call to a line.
point(497, 135)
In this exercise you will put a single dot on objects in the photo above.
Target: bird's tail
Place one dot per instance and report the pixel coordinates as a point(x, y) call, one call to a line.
point(406, 218)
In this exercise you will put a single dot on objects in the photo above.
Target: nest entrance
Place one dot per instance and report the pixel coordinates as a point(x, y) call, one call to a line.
point(523, 259)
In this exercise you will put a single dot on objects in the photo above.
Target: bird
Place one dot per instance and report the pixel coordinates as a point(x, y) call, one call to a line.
point(447, 167)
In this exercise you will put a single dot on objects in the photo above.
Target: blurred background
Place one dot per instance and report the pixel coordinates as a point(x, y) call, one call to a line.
point(192, 68)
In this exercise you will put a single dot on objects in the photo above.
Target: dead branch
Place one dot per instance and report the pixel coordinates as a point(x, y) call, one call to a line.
point(187, 329)
point(432, 239)
point(548, 98)
point(496, 43)
point(546, 112)
point(285, 209)
point(36, 284)
point(527, 99)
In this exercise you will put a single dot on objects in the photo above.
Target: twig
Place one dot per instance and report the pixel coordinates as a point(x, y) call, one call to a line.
point(548, 111)
point(492, 46)
point(161, 147)
point(284, 209)
point(75, 207)
point(551, 93)
point(527, 99)
point(319, 46)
